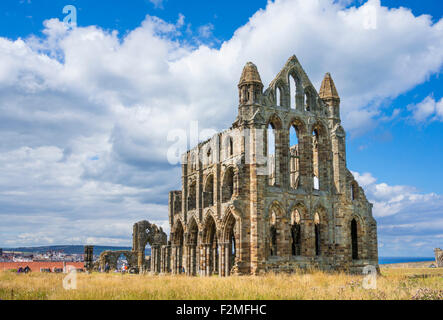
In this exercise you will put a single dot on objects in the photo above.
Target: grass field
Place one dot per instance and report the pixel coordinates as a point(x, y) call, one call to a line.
point(393, 283)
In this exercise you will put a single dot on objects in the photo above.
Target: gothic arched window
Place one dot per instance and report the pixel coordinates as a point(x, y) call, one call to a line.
point(317, 234)
point(354, 239)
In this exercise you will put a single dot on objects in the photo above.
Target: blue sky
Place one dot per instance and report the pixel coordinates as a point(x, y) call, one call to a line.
point(91, 117)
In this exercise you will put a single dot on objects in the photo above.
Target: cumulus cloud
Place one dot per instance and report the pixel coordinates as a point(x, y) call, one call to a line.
point(427, 110)
point(410, 223)
point(85, 113)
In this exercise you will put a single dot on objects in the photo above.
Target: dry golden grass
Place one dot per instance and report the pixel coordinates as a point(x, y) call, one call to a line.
point(391, 284)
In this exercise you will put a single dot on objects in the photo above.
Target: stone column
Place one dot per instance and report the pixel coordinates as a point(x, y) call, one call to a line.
point(222, 259)
point(305, 162)
point(162, 259)
point(153, 259)
point(89, 257)
point(227, 259)
point(140, 261)
point(214, 259)
point(206, 263)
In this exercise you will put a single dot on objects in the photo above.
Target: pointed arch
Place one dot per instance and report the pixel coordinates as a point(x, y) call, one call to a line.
point(317, 234)
point(319, 156)
point(192, 231)
point(228, 184)
point(354, 239)
point(275, 121)
point(356, 233)
point(310, 99)
point(231, 239)
point(276, 232)
point(321, 230)
point(178, 233)
point(273, 140)
point(229, 146)
point(178, 239)
point(297, 151)
point(294, 157)
point(210, 245)
point(295, 89)
point(192, 241)
point(296, 233)
point(208, 191)
point(279, 96)
point(192, 195)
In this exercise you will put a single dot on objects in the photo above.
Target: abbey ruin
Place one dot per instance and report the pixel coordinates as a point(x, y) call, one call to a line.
point(272, 193)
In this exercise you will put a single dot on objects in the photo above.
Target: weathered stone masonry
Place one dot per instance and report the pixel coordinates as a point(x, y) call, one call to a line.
point(251, 202)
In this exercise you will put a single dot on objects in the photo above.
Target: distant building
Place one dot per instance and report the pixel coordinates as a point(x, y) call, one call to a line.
point(1, 251)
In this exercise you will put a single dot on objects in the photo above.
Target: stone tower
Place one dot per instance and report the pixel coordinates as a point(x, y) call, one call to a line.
point(273, 192)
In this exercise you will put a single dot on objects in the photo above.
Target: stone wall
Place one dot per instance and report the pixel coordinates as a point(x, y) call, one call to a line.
point(246, 209)
point(438, 257)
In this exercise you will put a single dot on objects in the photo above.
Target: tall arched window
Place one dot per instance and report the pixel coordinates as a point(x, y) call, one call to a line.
point(296, 233)
point(293, 91)
point(231, 147)
point(210, 240)
point(315, 159)
point(178, 240)
point(232, 248)
point(354, 239)
point(271, 154)
point(192, 245)
point(192, 196)
point(317, 233)
point(228, 185)
point(307, 102)
point(294, 153)
point(209, 192)
point(273, 234)
point(310, 104)
point(278, 96)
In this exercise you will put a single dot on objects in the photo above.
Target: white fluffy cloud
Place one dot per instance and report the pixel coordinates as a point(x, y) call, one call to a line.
point(85, 113)
point(410, 223)
point(427, 110)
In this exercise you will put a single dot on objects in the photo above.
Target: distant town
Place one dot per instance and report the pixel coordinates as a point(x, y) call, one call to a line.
point(51, 258)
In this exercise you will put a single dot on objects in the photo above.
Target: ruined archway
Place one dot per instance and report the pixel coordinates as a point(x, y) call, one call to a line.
point(231, 244)
point(228, 184)
point(143, 233)
point(295, 233)
point(317, 234)
point(192, 196)
point(275, 231)
point(320, 156)
point(210, 247)
point(192, 246)
point(208, 192)
point(354, 239)
point(177, 248)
